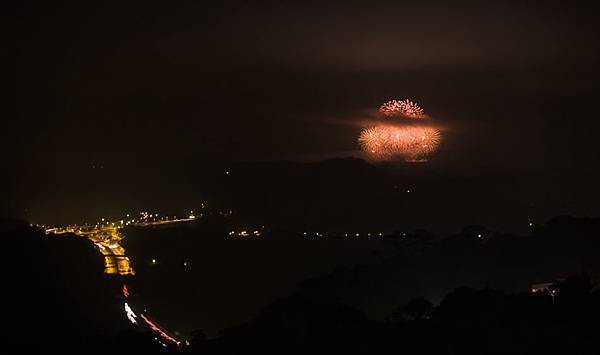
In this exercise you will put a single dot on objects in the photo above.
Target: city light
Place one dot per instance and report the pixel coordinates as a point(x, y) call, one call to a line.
point(107, 238)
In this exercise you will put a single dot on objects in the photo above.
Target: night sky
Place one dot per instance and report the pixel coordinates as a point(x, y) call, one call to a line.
point(142, 89)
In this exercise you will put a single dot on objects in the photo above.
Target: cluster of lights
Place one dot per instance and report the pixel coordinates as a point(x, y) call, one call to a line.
point(106, 237)
point(545, 287)
point(149, 217)
point(320, 234)
point(145, 219)
point(246, 233)
point(316, 234)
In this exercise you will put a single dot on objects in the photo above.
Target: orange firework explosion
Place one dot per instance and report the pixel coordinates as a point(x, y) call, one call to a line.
point(405, 108)
point(410, 143)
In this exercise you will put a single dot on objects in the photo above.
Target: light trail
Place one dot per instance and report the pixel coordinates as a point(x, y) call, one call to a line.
point(158, 329)
point(130, 315)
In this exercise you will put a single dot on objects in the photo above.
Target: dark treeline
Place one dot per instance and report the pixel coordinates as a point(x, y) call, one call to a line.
point(421, 264)
point(467, 321)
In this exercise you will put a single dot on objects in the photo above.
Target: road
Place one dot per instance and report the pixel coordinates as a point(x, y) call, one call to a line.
point(107, 238)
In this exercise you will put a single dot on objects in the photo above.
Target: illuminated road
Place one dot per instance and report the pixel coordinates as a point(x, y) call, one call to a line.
point(106, 237)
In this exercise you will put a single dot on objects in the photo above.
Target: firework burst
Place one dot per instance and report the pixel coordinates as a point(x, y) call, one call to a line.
point(410, 143)
point(404, 108)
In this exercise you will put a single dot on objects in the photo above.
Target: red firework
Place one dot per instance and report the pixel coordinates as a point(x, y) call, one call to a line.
point(410, 143)
point(404, 108)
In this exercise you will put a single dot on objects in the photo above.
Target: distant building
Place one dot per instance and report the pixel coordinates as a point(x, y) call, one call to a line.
point(546, 286)
point(549, 287)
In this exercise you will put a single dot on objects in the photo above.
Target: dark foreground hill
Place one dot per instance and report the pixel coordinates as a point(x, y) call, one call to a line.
point(56, 297)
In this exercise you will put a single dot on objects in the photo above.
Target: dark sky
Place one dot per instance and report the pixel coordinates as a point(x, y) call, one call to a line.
point(129, 84)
